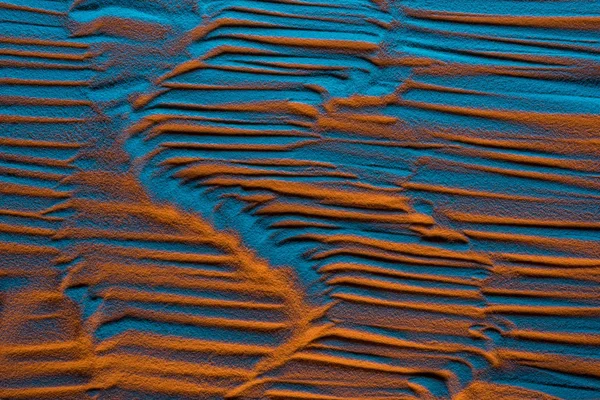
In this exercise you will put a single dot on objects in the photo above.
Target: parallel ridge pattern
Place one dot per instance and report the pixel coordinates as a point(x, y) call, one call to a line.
point(300, 199)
